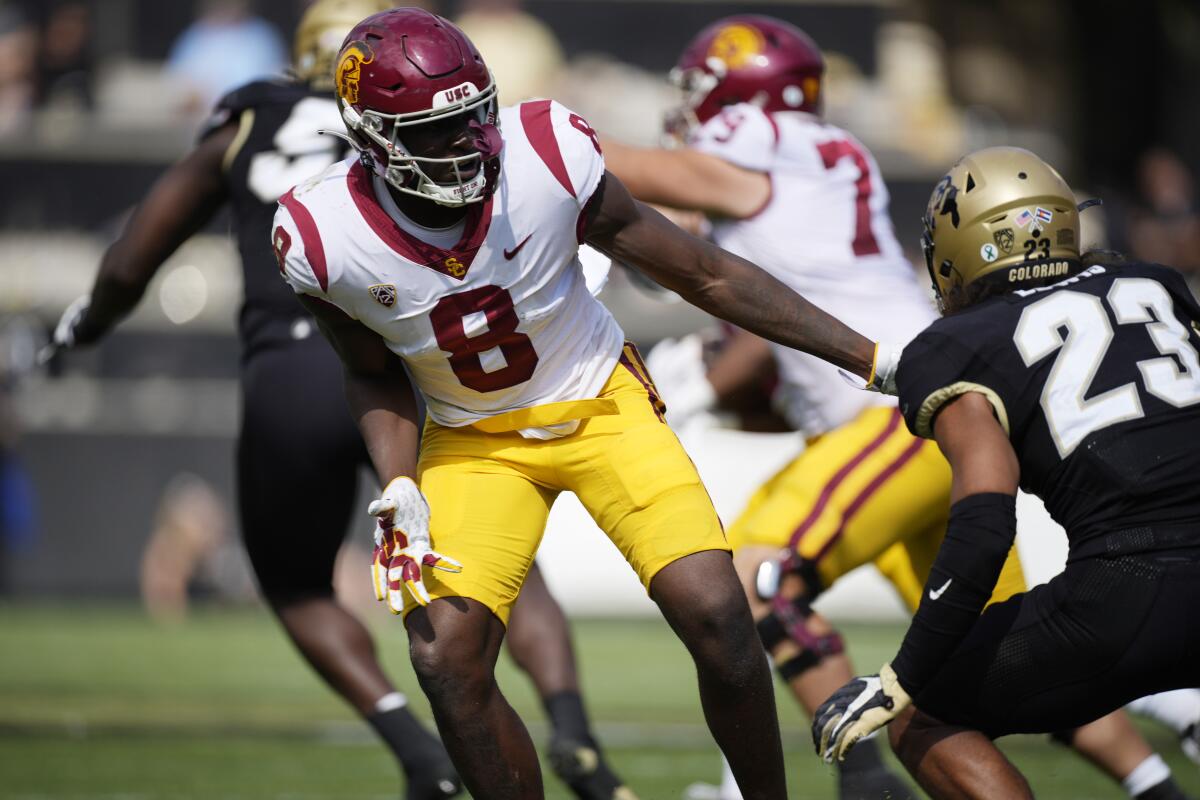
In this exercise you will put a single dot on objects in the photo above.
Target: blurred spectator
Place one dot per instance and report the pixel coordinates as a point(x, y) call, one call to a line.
point(65, 60)
point(18, 343)
point(1164, 225)
point(224, 48)
point(18, 50)
point(520, 49)
point(190, 552)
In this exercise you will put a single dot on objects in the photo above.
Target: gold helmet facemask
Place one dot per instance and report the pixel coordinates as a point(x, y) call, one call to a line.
point(320, 33)
point(997, 211)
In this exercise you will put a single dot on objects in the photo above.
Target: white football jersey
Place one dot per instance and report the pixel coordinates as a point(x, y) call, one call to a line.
point(500, 321)
point(825, 232)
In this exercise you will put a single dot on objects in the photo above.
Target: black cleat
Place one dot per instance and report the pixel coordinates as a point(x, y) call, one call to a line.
point(438, 781)
point(581, 766)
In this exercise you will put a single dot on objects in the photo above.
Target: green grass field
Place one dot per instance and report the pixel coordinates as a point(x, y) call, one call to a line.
point(104, 704)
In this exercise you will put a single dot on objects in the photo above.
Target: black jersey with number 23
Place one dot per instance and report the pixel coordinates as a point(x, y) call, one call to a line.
point(1096, 380)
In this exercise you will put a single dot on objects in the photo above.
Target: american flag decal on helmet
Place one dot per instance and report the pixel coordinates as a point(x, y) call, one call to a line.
point(384, 294)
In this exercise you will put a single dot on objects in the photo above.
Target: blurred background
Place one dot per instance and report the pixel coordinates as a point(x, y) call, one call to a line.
point(116, 466)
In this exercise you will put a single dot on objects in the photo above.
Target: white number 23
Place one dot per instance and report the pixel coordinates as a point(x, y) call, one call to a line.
point(1069, 416)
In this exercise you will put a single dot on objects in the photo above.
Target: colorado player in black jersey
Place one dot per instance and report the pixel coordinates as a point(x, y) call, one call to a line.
point(1076, 379)
point(297, 439)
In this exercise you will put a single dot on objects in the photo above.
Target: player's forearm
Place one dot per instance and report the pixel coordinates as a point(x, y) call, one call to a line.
point(182, 201)
point(120, 284)
point(979, 536)
point(742, 293)
point(386, 413)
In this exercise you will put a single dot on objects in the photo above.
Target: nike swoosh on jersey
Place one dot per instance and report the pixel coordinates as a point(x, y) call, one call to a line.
point(508, 254)
point(934, 595)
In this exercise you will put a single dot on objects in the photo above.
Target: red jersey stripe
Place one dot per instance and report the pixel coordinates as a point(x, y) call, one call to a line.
point(314, 251)
point(539, 129)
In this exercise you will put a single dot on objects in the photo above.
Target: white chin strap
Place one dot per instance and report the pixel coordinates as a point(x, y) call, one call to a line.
point(456, 195)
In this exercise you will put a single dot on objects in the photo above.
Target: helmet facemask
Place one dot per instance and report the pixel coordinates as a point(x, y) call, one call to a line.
point(379, 138)
point(694, 85)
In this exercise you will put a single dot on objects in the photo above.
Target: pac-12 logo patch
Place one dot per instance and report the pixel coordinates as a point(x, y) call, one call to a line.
point(384, 294)
point(1004, 239)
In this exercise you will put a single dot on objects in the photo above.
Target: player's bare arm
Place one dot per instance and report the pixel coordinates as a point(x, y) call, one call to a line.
point(977, 448)
point(688, 179)
point(378, 391)
point(719, 282)
point(181, 202)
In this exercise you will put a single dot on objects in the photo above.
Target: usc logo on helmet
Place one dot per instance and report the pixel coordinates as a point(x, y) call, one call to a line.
point(349, 69)
point(736, 45)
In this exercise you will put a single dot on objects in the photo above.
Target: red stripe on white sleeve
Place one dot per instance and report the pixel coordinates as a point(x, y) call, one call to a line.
point(314, 251)
point(539, 129)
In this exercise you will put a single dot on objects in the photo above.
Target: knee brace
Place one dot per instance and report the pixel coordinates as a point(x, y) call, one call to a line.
point(771, 574)
point(789, 620)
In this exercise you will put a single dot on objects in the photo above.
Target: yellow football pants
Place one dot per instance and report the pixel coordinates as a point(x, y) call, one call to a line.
point(490, 492)
point(866, 492)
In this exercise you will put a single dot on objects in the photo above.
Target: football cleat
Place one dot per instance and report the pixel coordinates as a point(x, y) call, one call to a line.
point(581, 766)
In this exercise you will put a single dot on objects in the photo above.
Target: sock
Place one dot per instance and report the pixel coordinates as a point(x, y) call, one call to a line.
point(413, 745)
point(1150, 779)
point(863, 757)
point(1167, 789)
point(1177, 709)
point(567, 716)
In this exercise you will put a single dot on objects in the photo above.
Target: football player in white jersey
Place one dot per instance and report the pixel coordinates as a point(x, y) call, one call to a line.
point(451, 242)
point(805, 199)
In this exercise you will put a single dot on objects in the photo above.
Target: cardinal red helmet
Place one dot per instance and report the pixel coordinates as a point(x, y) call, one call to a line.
point(407, 67)
point(746, 58)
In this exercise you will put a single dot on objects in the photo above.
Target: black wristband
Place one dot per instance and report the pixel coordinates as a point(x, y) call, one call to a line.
point(980, 533)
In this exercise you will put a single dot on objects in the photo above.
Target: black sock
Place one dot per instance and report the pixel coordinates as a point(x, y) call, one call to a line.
point(567, 716)
point(412, 743)
point(863, 757)
point(1163, 790)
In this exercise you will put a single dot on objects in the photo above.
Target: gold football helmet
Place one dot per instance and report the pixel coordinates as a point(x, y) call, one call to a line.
point(1001, 210)
point(320, 33)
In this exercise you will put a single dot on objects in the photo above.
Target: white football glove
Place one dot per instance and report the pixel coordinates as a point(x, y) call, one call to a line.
point(858, 709)
point(883, 371)
point(402, 545)
point(64, 331)
point(677, 367)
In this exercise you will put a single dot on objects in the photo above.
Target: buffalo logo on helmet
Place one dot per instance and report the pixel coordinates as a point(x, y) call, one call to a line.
point(349, 69)
point(737, 45)
point(384, 294)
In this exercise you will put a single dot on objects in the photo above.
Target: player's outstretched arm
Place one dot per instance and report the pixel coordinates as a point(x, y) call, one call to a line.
point(378, 391)
point(687, 179)
point(182, 201)
point(717, 281)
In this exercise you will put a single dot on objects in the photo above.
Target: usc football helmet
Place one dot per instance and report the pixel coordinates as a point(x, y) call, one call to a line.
point(747, 58)
point(1001, 210)
point(319, 36)
point(407, 73)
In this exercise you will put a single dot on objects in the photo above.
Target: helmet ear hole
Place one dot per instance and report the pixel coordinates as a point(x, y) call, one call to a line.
point(945, 269)
point(970, 182)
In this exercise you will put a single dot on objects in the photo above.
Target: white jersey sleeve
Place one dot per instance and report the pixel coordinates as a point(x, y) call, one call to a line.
point(567, 145)
point(298, 248)
point(742, 135)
